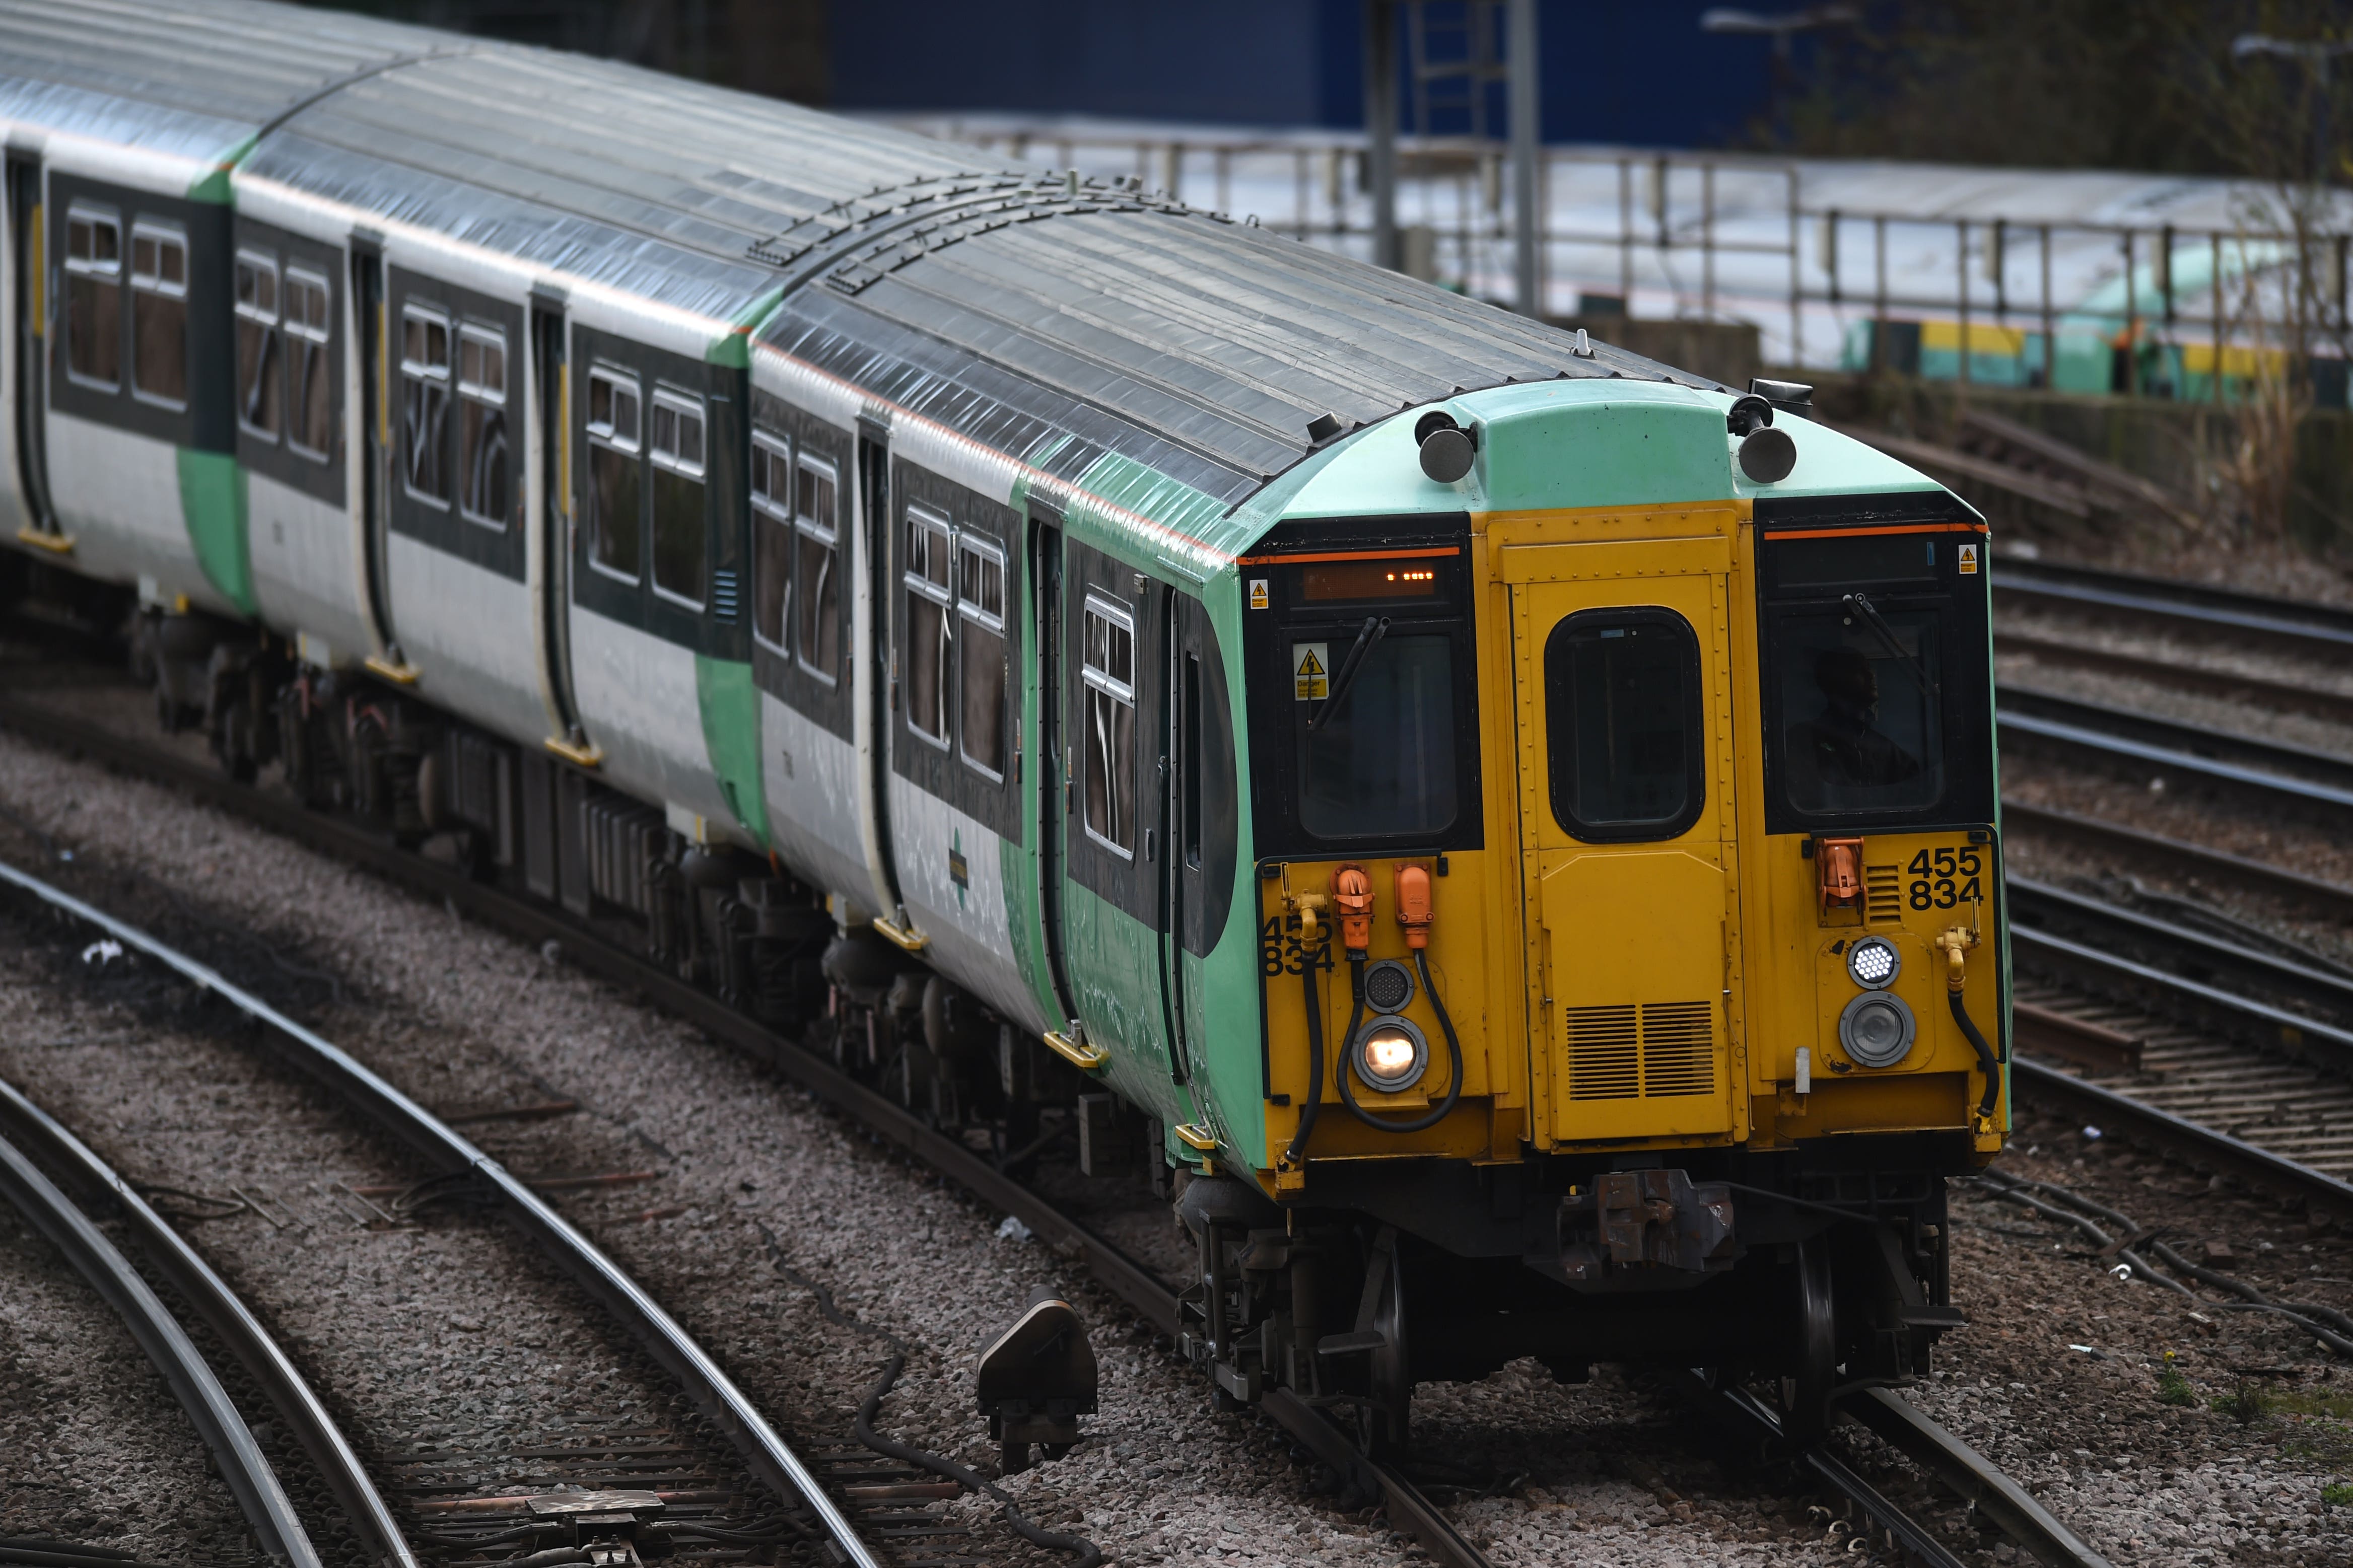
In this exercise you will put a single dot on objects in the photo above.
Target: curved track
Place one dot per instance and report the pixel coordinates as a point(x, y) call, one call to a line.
point(764, 1450)
point(2284, 623)
point(1956, 1464)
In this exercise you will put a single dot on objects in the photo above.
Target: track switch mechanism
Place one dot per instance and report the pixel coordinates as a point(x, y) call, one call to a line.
point(1036, 1379)
point(610, 1529)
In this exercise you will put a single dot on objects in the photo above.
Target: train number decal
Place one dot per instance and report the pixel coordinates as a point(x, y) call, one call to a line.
point(1282, 952)
point(1945, 878)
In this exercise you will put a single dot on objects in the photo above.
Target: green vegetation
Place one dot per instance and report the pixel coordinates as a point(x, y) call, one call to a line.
point(2172, 1388)
point(2247, 1403)
point(2338, 1494)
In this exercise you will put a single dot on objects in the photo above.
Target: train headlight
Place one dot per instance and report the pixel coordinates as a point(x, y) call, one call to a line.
point(1877, 1029)
point(1874, 963)
point(1391, 1055)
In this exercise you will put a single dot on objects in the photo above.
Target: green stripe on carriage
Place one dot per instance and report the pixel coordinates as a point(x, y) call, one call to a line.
point(213, 187)
point(211, 502)
point(730, 702)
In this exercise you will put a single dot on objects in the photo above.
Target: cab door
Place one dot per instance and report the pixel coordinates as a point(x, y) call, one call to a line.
point(1625, 707)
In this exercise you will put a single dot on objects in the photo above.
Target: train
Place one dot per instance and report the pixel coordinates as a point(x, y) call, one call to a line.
point(1502, 833)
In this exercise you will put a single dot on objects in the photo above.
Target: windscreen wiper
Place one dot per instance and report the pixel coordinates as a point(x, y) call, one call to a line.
point(1863, 609)
point(1375, 628)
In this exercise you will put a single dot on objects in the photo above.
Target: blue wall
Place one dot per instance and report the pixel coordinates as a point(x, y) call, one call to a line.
point(1613, 72)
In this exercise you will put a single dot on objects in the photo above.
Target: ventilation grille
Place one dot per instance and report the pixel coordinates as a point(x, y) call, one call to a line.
point(1602, 1055)
point(1657, 1051)
point(724, 594)
point(1882, 894)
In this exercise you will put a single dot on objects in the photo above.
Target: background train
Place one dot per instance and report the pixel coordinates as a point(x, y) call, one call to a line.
point(1513, 825)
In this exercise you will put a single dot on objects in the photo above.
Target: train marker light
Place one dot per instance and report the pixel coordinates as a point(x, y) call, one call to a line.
point(1877, 1029)
point(1874, 963)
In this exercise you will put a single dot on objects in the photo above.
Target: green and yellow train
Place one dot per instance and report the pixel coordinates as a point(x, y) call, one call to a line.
point(1510, 825)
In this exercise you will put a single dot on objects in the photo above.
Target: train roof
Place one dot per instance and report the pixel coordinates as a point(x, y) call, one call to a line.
point(1062, 321)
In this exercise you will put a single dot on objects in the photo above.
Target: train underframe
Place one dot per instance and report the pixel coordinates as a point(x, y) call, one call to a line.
point(1830, 1270)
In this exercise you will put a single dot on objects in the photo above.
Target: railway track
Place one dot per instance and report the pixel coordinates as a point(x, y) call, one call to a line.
point(813, 1510)
point(2312, 784)
point(2286, 625)
point(1409, 1511)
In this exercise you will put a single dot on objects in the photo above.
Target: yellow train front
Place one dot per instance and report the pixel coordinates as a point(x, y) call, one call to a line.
point(1631, 975)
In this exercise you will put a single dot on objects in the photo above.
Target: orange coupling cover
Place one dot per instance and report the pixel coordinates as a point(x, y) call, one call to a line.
point(1413, 904)
point(1352, 899)
point(1839, 863)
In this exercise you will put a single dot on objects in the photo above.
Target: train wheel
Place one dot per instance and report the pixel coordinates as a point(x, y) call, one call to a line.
point(1806, 1391)
point(1383, 1421)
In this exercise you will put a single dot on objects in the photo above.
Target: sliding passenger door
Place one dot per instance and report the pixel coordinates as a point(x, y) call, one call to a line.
point(551, 549)
point(28, 280)
point(374, 469)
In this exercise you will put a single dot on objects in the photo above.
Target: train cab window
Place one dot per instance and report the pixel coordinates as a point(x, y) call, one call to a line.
point(159, 313)
point(1107, 669)
point(772, 537)
point(311, 391)
point(258, 390)
point(94, 297)
point(481, 422)
point(425, 404)
point(616, 542)
point(1625, 710)
point(1378, 756)
point(816, 567)
point(980, 612)
point(929, 639)
point(681, 531)
point(1861, 707)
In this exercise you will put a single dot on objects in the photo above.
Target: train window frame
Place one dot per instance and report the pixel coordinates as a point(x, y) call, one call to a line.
point(316, 345)
point(823, 534)
point(420, 380)
point(1100, 684)
point(605, 434)
point(102, 278)
point(976, 623)
point(672, 463)
point(256, 322)
point(927, 594)
point(475, 391)
point(156, 284)
point(772, 515)
point(1692, 670)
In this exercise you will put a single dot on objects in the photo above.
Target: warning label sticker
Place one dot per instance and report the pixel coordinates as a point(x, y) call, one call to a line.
point(1969, 560)
point(1311, 671)
point(1258, 593)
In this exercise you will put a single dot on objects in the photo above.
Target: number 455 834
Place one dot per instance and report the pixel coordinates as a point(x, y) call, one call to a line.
point(1942, 879)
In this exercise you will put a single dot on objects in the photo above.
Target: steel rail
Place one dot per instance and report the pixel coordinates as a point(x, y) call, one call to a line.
point(2257, 1023)
point(243, 1467)
point(2256, 873)
point(2277, 758)
point(2272, 693)
point(2333, 800)
point(764, 1450)
point(2314, 628)
point(231, 1322)
point(2052, 910)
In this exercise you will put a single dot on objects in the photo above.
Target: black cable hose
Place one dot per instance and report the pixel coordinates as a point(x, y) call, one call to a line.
point(1314, 1102)
point(1084, 1554)
point(1987, 1061)
point(1453, 1049)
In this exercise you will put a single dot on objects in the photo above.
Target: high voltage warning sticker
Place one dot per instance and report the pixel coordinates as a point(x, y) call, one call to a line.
point(1310, 674)
point(1969, 560)
point(1257, 594)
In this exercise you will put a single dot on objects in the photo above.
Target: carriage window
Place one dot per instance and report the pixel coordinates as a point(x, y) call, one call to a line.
point(258, 368)
point(1383, 759)
point(425, 404)
point(159, 313)
point(772, 537)
point(1108, 673)
point(94, 298)
point(929, 639)
point(980, 610)
point(615, 542)
point(1859, 710)
point(817, 596)
point(481, 424)
point(681, 546)
point(309, 385)
point(1624, 705)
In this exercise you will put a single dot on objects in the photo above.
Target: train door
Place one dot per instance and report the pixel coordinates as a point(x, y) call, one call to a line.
point(1052, 769)
point(29, 273)
point(373, 472)
point(1624, 699)
point(875, 660)
point(550, 384)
